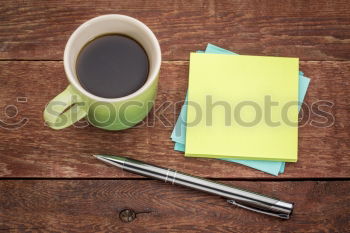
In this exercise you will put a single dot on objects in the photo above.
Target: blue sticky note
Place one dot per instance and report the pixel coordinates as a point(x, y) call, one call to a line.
point(179, 133)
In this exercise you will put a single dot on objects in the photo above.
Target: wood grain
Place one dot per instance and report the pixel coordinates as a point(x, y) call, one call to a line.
point(35, 150)
point(32, 39)
point(94, 206)
point(311, 30)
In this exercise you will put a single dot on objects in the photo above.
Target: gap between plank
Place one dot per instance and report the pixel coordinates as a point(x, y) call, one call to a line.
point(164, 61)
point(210, 178)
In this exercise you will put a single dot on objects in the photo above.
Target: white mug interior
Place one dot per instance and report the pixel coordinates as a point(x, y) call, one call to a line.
point(107, 24)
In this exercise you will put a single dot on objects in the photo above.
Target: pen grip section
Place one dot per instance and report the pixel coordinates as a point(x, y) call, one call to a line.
point(279, 215)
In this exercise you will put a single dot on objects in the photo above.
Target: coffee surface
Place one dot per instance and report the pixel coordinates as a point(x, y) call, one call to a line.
point(112, 66)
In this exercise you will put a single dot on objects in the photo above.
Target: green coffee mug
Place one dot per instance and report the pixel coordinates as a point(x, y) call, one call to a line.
point(75, 102)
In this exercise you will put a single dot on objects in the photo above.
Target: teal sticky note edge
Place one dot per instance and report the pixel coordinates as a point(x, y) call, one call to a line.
point(179, 147)
point(303, 86)
point(213, 49)
point(272, 168)
point(179, 133)
point(282, 168)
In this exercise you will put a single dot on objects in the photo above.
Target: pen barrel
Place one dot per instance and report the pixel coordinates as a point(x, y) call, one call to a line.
point(255, 201)
point(244, 197)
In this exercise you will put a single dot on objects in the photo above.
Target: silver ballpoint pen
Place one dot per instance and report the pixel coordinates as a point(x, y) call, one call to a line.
point(239, 197)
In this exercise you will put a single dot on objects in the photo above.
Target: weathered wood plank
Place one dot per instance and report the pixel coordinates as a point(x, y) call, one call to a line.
point(94, 206)
point(311, 30)
point(35, 150)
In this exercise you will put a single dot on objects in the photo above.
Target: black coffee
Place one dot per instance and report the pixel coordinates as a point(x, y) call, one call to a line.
point(112, 66)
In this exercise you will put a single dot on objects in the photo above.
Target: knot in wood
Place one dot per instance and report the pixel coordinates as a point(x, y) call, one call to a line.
point(127, 215)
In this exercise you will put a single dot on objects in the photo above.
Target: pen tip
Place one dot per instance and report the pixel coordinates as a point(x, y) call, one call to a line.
point(97, 156)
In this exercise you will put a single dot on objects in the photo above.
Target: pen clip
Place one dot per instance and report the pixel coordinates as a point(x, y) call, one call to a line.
point(284, 216)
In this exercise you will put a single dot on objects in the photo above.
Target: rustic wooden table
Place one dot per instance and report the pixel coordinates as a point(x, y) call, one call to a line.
point(50, 181)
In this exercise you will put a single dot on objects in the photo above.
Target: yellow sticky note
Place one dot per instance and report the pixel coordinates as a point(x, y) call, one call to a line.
point(242, 107)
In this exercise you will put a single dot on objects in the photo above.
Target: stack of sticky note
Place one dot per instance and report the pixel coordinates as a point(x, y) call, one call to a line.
point(242, 109)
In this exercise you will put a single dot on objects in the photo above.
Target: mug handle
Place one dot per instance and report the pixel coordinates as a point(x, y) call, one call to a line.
point(65, 109)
